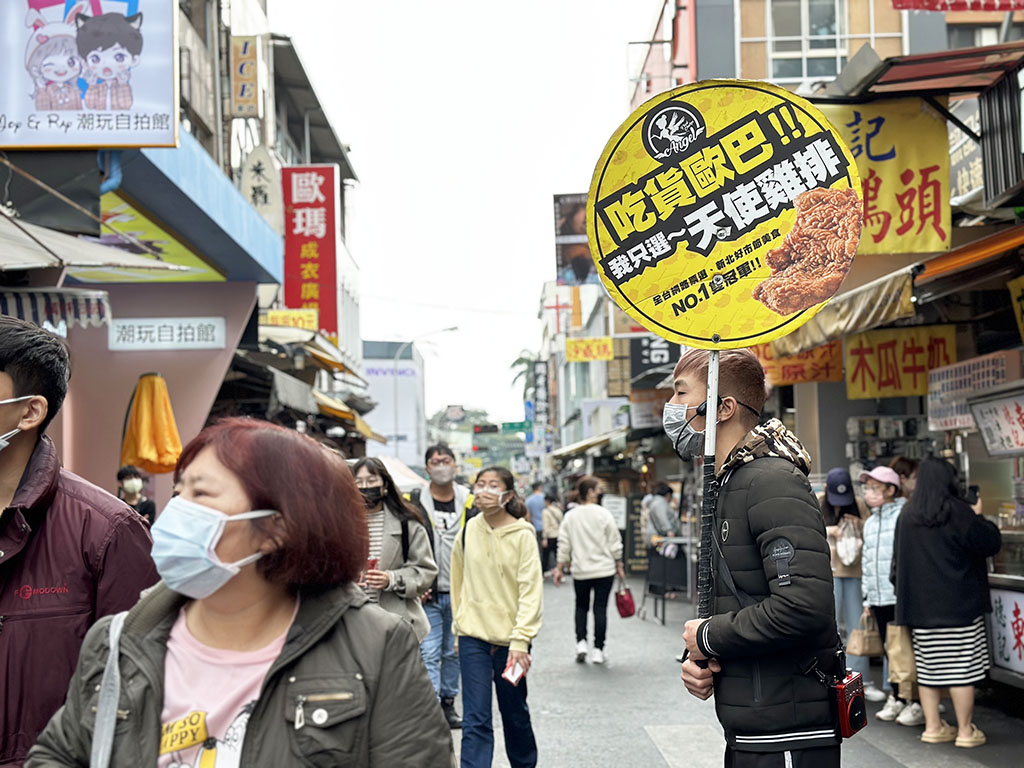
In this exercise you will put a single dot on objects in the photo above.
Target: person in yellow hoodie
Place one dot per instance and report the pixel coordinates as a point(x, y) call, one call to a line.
point(497, 604)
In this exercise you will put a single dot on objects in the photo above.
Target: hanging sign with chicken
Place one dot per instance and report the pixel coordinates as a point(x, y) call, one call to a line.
point(724, 214)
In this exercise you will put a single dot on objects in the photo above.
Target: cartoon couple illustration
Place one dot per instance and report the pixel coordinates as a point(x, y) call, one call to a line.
point(83, 60)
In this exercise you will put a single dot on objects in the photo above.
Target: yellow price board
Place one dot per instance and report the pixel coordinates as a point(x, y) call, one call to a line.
point(724, 214)
point(589, 350)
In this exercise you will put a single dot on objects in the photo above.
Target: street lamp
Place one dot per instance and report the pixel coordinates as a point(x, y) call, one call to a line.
point(394, 371)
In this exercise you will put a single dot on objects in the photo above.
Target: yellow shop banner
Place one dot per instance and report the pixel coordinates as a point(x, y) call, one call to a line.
point(824, 363)
point(724, 213)
point(895, 362)
point(588, 350)
point(902, 151)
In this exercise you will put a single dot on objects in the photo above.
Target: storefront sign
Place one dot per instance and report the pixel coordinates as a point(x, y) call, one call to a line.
point(88, 73)
point(1016, 287)
point(309, 319)
point(724, 213)
point(1001, 423)
point(542, 441)
point(573, 263)
point(600, 416)
point(635, 540)
point(646, 407)
point(246, 61)
point(617, 506)
point(902, 151)
point(153, 334)
point(650, 353)
point(589, 350)
point(261, 185)
point(139, 231)
point(824, 363)
point(895, 362)
point(1006, 628)
point(311, 200)
point(966, 166)
point(950, 386)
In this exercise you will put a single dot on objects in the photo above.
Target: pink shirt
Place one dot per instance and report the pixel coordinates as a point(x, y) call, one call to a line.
point(209, 694)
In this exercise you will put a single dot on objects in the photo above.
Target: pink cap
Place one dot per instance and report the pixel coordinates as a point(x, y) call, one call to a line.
point(882, 475)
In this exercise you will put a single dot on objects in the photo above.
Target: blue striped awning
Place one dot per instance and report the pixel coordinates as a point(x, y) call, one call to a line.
point(56, 309)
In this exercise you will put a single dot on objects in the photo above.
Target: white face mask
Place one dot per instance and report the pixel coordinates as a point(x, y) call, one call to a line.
point(5, 439)
point(443, 474)
point(132, 485)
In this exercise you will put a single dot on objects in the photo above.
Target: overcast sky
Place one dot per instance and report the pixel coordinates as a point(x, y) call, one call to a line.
point(464, 118)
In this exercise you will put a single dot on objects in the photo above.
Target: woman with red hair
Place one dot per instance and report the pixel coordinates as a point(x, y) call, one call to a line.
point(256, 649)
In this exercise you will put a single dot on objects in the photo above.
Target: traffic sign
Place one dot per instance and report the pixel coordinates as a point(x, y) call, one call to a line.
point(516, 426)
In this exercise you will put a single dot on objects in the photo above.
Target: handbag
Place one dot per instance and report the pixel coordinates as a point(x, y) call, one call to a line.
point(110, 692)
point(848, 542)
point(624, 601)
point(865, 639)
point(898, 647)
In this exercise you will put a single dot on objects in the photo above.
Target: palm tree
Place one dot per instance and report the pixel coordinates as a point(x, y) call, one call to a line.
point(523, 366)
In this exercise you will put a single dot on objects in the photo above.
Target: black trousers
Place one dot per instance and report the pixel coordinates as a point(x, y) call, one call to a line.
point(550, 554)
point(601, 588)
point(821, 757)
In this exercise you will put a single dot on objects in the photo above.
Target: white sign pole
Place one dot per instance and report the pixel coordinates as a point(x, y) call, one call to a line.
point(705, 587)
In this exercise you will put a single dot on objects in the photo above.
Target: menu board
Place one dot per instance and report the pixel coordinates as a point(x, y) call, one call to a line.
point(950, 386)
point(636, 538)
point(1000, 419)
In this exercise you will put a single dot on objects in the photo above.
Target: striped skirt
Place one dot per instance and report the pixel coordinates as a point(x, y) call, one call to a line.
point(951, 656)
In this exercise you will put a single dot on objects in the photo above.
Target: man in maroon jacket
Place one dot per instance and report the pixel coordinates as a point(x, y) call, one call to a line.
point(69, 551)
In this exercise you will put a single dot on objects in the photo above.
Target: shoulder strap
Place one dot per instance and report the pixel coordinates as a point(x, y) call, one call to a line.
point(414, 496)
point(745, 600)
point(405, 539)
point(110, 693)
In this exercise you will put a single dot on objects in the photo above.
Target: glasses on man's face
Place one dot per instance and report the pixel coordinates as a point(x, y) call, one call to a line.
point(369, 482)
point(445, 462)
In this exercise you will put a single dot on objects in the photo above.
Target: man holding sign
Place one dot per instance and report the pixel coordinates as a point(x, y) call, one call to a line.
point(773, 611)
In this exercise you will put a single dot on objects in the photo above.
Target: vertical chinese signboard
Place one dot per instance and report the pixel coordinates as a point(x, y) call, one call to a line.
point(902, 152)
point(246, 94)
point(895, 362)
point(542, 441)
point(311, 198)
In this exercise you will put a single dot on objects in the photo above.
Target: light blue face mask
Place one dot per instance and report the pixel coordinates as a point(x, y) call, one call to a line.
point(185, 536)
point(5, 439)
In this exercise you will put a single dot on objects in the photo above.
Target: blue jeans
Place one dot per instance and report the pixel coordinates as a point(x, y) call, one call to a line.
point(849, 606)
point(438, 648)
point(482, 664)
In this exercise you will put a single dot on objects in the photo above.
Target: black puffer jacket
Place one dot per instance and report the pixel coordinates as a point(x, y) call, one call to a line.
point(768, 522)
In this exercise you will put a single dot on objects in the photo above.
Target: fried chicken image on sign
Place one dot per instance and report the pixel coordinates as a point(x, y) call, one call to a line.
point(813, 260)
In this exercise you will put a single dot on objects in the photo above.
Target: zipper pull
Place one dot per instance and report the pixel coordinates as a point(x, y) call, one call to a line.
point(300, 715)
point(2, 623)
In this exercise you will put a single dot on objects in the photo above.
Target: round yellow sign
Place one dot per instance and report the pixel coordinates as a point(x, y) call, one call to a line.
point(724, 214)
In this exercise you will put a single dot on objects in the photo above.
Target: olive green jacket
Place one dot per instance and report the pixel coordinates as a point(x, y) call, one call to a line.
point(357, 663)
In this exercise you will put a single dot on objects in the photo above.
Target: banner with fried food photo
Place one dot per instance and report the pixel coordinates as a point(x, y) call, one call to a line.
point(724, 213)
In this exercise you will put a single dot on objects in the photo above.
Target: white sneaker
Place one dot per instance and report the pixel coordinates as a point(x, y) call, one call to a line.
point(912, 714)
point(891, 710)
point(597, 657)
point(873, 694)
point(581, 651)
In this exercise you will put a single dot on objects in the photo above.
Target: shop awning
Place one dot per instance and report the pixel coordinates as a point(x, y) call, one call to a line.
point(329, 406)
point(879, 302)
point(318, 347)
point(289, 392)
point(52, 307)
point(969, 70)
point(29, 246)
point(972, 254)
point(591, 442)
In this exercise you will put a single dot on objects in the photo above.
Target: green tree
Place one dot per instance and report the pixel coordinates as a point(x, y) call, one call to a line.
point(523, 366)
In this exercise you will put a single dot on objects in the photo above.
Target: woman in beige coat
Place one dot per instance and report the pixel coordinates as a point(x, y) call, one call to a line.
point(400, 567)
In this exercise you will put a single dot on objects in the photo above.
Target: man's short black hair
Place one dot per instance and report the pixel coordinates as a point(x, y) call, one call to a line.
point(662, 489)
point(37, 362)
point(128, 471)
point(537, 486)
point(439, 448)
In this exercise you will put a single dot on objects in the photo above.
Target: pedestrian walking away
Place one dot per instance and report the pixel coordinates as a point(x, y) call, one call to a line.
point(399, 566)
point(844, 516)
point(942, 594)
point(446, 506)
point(257, 631)
point(589, 543)
point(535, 503)
point(497, 599)
point(69, 552)
point(553, 516)
point(773, 609)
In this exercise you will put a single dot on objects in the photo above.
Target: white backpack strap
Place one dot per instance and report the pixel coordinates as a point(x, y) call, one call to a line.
point(110, 693)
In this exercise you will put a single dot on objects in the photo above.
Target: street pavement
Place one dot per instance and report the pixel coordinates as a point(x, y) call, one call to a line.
point(634, 711)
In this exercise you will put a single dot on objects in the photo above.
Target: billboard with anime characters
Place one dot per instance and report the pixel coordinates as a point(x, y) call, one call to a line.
point(88, 73)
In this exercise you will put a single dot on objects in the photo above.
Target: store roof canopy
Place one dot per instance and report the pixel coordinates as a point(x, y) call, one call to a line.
point(316, 344)
point(969, 70)
point(587, 444)
point(297, 91)
point(56, 308)
point(29, 246)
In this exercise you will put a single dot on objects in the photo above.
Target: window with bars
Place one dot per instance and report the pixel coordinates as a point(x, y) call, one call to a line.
point(807, 38)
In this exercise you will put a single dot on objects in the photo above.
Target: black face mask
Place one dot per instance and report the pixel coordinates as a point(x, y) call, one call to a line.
point(372, 496)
